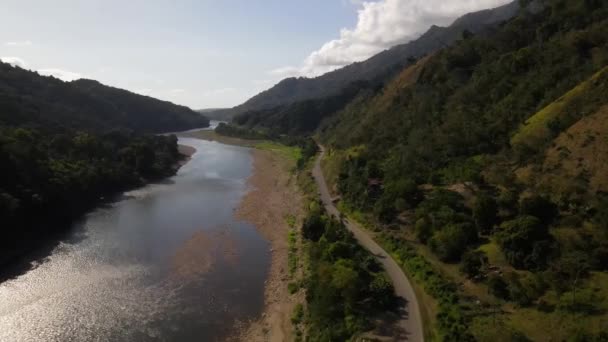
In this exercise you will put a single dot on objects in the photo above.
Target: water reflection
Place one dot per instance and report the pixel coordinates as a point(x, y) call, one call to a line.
point(166, 263)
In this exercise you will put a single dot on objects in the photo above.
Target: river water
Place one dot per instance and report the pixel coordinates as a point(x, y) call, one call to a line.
point(167, 262)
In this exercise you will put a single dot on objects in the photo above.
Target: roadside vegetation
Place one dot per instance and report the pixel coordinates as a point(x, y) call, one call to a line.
point(345, 286)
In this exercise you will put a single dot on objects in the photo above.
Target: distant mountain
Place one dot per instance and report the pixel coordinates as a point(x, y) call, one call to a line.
point(29, 99)
point(379, 67)
point(220, 114)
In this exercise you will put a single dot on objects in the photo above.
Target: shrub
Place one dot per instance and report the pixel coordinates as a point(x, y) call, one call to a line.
point(525, 242)
point(450, 242)
point(498, 287)
point(485, 213)
point(423, 230)
point(540, 207)
point(472, 263)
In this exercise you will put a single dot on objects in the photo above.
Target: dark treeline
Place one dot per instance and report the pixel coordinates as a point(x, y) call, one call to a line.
point(57, 176)
point(66, 146)
point(47, 103)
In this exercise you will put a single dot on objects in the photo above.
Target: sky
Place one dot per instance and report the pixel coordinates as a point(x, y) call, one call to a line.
point(210, 53)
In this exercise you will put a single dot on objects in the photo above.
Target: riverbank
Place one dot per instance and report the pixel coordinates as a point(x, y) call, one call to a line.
point(274, 201)
point(187, 152)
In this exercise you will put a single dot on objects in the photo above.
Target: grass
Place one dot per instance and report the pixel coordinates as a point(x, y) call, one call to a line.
point(290, 152)
point(535, 130)
point(292, 258)
point(298, 314)
point(495, 255)
point(549, 325)
point(291, 221)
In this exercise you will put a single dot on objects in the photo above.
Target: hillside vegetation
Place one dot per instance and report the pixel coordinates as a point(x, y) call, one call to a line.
point(490, 157)
point(297, 105)
point(28, 99)
point(482, 167)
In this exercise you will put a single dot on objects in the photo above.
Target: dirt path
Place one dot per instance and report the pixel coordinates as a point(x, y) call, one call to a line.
point(409, 325)
point(273, 198)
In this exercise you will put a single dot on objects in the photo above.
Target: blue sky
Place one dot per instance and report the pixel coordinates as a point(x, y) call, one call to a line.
point(209, 53)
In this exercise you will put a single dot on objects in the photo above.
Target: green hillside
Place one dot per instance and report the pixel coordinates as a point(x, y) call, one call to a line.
point(482, 167)
point(27, 98)
point(492, 164)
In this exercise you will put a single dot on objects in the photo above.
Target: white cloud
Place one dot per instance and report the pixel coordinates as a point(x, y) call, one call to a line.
point(61, 74)
point(382, 24)
point(14, 61)
point(19, 43)
point(177, 91)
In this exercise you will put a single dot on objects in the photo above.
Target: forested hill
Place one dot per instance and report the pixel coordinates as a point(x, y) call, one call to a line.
point(28, 99)
point(484, 168)
point(374, 70)
point(66, 146)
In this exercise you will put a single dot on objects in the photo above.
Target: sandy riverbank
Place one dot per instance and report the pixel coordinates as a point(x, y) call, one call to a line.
point(274, 197)
point(187, 152)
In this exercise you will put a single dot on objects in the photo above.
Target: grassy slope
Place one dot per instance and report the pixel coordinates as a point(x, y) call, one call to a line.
point(535, 130)
point(574, 162)
point(289, 152)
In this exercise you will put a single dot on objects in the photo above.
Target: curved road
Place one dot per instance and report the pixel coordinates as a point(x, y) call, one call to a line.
point(409, 325)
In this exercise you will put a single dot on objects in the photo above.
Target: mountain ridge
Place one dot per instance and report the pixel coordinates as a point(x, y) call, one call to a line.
point(27, 98)
point(377, 68)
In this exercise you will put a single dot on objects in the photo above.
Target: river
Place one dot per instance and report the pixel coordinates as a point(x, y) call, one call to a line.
point(167, 262)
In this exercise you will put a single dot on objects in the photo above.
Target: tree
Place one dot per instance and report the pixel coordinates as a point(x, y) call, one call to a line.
point(449, 243)
point(540, 207)
point(485, 212)
point(313, 227)
point(384, 209)
point(423, 230)
point(498, 287)
point(473, 262)
point(570, 269)
point(518, 239)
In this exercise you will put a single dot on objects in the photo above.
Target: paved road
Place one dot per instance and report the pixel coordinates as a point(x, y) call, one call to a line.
point(409, 325)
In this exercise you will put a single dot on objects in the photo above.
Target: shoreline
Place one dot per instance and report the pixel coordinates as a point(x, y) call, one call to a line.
point(35, 246)
point(273, 197)
point(187, 152)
